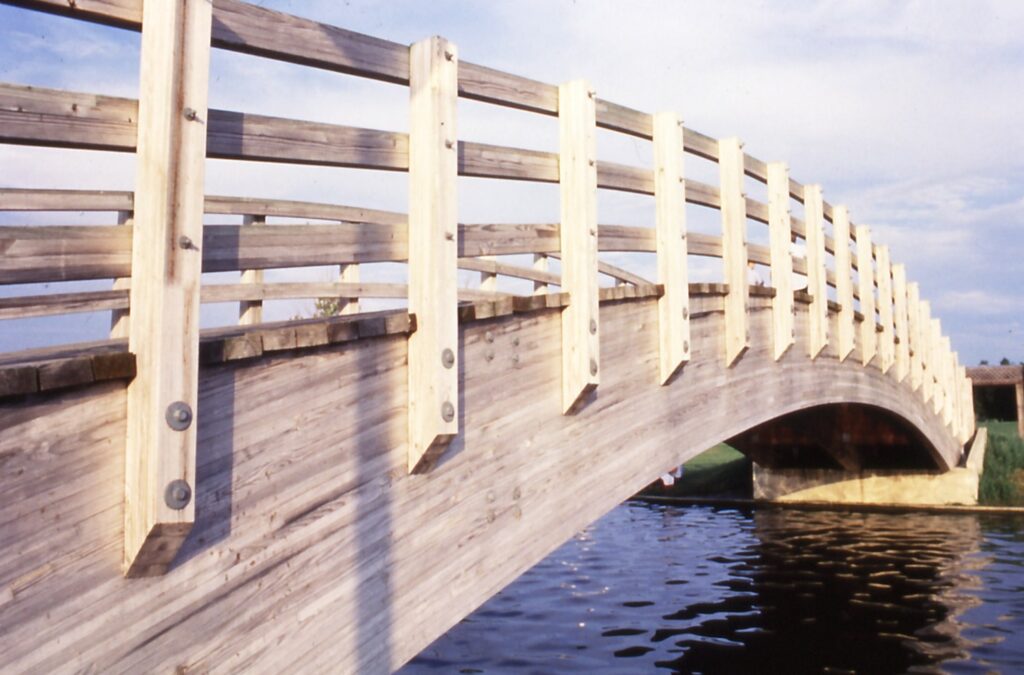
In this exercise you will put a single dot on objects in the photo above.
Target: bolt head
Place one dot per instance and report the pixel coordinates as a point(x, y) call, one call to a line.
point(593, 366)
point(447, 411)
point(177, 494)
point(447, 358)
point(593, 326)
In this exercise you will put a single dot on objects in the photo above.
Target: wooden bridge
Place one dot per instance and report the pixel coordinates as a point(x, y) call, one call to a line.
point(331, 494)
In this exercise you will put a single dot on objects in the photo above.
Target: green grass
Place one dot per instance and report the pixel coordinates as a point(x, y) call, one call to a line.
point(1002, 481)
point(721, 470)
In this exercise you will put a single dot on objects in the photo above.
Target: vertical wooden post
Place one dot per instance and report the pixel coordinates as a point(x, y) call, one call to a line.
point(866, 283)
point(433, 230)
point(844, 280)
point(914, 334)
point(947, 380)
point(734, 247)
point(540, 264)
point(577, 175)
point(250, 312)
point(814, 216)
point(119, 317)
point(348, 274)
point(899, 281)
point(160, 459)
point(670, 205)
point(780, 235)
point(886, 342)
point(936, 360)
point(488, 280)
point(966, 406)
point(1019, 390)
point(925, 345)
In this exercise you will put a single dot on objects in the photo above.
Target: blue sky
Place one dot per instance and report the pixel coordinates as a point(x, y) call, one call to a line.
point(910, 113)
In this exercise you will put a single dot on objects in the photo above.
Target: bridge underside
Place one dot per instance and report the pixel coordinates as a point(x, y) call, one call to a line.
point(313, 549)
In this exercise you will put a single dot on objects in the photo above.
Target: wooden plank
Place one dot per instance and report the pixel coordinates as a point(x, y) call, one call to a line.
point(212, 293)
point(886, 341)
point(348, 274)
point(433, 229)
point(938, 364)
point(925, 343)
point(947, 380)
point(670, 216)
point(625, 178)
point(166, 264)
point(250, 312)
point(734, 248)
point(780, 235)
point(540, 265)
point(846, 337)
point(866, 282)
point(487, 265)
point(914, 334)
point(578, 250)
point(24, 199)
point(967, 406)
point(625, 120)
point(27, 306)
point(817, 324)
point(901, 321)
point(119, 315)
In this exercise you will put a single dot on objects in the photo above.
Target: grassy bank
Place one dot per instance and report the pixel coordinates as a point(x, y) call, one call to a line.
point(1002, 482)
point(720, 471)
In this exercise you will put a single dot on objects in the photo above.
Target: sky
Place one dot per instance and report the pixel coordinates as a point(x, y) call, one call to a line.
point(910, 113)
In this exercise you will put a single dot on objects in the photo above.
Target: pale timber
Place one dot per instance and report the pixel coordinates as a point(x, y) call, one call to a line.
point(250, 312)
point(670, 213)
point(164, 320)
point(578, 250)
point(433, 389)
point(886, 340)
point(866, 281)
point(846, 333)
point(780, 232)
point(734, 247)
point(816, 270)
point(901, 321)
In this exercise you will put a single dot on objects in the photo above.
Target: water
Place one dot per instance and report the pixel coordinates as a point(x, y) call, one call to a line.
point(652, 588)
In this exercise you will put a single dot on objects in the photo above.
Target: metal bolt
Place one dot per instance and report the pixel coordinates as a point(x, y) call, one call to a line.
point(447, 411)
point(449, 56)
point(489, 336)
point(591, 162)
point(489, 356)
point(190, 114)
point(178, 416)
point(449, 144)
point(593, 366)
point(593, 327)
point(450, 236)
point(686, 345)
point(178, 494)
point(186, 243)
point(447, 358)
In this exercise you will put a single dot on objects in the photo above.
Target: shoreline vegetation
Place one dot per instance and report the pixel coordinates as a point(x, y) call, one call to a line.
point(723, 472)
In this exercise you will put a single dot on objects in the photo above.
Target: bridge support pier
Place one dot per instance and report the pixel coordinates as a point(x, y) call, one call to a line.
point(958, 486)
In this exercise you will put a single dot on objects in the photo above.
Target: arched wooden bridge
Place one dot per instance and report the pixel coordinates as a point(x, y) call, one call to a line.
point(331, 494)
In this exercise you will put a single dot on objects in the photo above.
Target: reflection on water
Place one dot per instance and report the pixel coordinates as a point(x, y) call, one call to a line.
point(652, 588)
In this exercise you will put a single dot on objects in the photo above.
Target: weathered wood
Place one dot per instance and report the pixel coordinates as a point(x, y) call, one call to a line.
point(866, 282)
point(670, 214)
point(166, 264)
point(886, 343)
point(937, 362)
point(250, 312)
point(27, 306)
point(846, 338)
point(816, 271)
point(578, 249)
point(540, 266)
point(433, 228)
point(734, 247)
point(254, 592)
point(348, 274)
point(901, 320)
point(780, 235)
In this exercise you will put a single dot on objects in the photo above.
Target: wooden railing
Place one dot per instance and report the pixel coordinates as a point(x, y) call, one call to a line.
point(157, 243)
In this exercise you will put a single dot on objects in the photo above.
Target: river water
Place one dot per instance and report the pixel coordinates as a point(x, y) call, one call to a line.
point(656, 588)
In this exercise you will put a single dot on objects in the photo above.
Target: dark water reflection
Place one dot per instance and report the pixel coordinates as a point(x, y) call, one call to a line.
point(652, 588)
